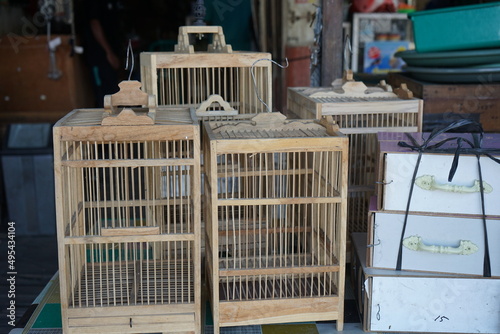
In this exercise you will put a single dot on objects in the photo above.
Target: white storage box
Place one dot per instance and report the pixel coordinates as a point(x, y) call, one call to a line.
point(432, 191)
point(403, 301)
point(445, 244)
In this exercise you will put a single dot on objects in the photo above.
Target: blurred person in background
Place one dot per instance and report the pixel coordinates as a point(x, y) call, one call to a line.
point(103, 44)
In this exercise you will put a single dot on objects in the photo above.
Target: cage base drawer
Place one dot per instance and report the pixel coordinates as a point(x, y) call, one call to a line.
point(278, 311)
point(173, 322)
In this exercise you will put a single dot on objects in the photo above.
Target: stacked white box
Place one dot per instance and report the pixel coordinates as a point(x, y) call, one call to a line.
point(417, 302)
point(440, 227)
point(430, 234)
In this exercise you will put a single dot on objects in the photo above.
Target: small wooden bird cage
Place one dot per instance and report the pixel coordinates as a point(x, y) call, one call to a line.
point(276, 201)
point(360, 113)
point(128, 217)
point(188, 78)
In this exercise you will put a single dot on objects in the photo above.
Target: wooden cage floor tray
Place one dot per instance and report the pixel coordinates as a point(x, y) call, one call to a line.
point(135, 282)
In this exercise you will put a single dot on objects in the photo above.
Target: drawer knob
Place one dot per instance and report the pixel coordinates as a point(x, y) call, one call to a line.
point(416, 243)
point(428, 182)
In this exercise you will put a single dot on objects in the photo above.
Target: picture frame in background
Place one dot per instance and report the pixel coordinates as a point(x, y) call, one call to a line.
point(387, 31)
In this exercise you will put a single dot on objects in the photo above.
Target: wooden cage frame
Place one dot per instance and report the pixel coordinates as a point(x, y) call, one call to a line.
point(128, 221)
point(275, 210)
point(188, 78)
point(360, 112)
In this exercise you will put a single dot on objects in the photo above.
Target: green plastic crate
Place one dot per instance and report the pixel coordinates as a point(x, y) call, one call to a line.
point(457, 28)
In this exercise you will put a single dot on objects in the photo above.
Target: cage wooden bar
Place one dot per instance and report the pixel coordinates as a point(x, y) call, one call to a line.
point(188, 78)
point(360, 112)
point(128, 223)
point(276, 201)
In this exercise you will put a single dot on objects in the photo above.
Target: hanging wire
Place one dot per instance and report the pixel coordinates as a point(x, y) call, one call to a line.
point(255, 81)
point(374, 244)
point(130, 55)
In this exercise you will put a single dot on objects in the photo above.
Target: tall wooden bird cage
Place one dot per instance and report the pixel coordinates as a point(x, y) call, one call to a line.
point(276, 201)
point(128, 217)
point(360, 112)
point(185, 77)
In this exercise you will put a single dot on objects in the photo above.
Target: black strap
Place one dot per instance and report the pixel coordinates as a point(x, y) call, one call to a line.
point(400, 251)
point(486, 263)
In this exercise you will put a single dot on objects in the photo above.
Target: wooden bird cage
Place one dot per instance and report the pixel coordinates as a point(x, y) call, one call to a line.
point(188, 78)
point(360, 112)
point(128, 217)
point(276, 201)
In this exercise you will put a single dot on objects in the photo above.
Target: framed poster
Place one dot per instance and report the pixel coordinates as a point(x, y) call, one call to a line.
point(379, 56)
point(378, 27)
